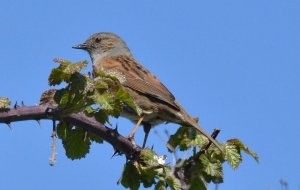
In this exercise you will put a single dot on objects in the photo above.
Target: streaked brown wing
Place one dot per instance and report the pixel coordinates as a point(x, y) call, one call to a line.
point(141, 80)
point(150, 90)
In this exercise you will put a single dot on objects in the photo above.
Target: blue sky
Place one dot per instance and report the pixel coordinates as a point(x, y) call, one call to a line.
point(235, 64)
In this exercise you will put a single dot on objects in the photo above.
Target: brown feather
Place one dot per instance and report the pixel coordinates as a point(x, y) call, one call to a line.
point(111, 55)
point(140, 80)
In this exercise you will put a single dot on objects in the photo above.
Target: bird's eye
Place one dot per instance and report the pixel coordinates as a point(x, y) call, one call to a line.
point(98, 40)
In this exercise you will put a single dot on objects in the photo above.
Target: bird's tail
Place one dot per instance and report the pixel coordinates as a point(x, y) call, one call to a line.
point(192, 123)
point(201, 130)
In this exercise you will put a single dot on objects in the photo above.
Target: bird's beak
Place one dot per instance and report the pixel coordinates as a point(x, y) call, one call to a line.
point(83, 46)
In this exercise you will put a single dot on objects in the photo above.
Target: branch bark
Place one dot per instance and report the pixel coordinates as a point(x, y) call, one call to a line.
point(90, 124)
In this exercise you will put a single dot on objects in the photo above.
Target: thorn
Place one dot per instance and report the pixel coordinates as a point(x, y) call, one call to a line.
point(16, 105)
point(39, 122)
point(9, 125)
point(167, 133)
point(115, 153)
point(116, 129)
point(22, 103)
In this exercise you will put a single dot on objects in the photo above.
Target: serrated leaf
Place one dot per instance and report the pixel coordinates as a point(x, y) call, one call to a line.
point(130, 177)
point(62, 130)
point(173, 183)
point(77, 83)
point(124, 97)
point(149, 169)
point(76, 67)
point(76, 96)
point(160, 186)
point(63, 63)
point(100, 84)
point(185, 138)
point(101, 116)
point(147, 176)
point(56, 77)
point(74, 144)
point(212, 168)
point(239, 144)
point(148, 157)
point(48, 97)
point(4, 104)
point(95, 138)
point(104, 100)
point(64, 71)
point(90, 111)
point(232, 155)
point(198, 184)
point(117, 108)
point(66, 99)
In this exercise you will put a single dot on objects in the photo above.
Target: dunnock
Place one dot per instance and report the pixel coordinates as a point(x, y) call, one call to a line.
point(111, 55)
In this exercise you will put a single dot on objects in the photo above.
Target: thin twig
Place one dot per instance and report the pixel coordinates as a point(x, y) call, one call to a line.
point(216, 186)
point(53, 147)
point(214, 136)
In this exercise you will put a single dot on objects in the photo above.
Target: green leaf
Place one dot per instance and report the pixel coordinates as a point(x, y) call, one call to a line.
point(100, 84)
point(65, 71)
point(104, 100)
point(76, 97)
point(130, 177)
point(95, 138)
point(4, 104)
point(173, 182)
point(65, 99)
point(186, 138)
point(90, 110)
point(212, 169)
point(75, 146)
point(148, 157)
point(73, 141)
point(101, 116)
point(198, 184)
point(117, 108)
point(56, 77)
point(62, 130)
point(75, 68)
point(232, 155)
point(160, 186)
point(239, 144)
point(48, 97)
point(80, 84)
point(149, 168)
point(124, 97)
point(147, 176)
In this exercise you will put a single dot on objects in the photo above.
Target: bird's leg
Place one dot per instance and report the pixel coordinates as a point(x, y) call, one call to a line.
point(147, 128)
point(131, 136)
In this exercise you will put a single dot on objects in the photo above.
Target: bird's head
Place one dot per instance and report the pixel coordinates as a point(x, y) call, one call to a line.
point(104, 44)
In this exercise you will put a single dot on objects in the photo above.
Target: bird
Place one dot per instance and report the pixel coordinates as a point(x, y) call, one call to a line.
point(111, 55)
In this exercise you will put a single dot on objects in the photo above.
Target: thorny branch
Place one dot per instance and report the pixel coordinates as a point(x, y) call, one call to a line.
point(119, 142)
